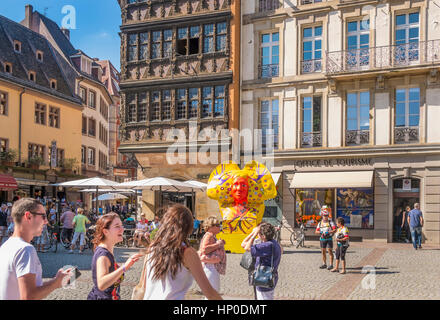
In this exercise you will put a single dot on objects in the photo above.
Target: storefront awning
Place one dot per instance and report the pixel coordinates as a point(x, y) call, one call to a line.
point(7, 182)
point(29, 182)
point(324, 180)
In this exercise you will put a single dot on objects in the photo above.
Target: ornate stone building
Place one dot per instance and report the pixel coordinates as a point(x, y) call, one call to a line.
point(179, 66)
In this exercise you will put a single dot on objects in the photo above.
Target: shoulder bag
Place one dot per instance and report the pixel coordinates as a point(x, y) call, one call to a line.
point(263, 275)
point(247, 261)
point(139, 290)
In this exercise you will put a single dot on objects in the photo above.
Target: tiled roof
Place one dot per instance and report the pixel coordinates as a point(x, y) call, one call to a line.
point(27, 61)
point(110, 81)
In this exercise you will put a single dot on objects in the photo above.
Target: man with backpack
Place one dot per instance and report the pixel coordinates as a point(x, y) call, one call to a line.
point(326, 228)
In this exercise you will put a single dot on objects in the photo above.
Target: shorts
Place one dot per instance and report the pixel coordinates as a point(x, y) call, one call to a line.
point(326, 243)
point(340, 252)
point(80, 235)
point(3, 232)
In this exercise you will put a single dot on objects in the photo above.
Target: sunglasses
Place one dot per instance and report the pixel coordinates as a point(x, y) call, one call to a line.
point(40, 214)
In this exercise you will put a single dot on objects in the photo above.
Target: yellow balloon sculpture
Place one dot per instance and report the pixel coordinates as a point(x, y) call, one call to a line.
point(241, 195)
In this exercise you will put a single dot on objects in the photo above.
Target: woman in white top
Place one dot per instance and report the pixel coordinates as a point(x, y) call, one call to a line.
point(172, 263)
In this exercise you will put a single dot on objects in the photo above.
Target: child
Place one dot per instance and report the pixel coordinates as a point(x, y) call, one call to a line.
point(342, 241)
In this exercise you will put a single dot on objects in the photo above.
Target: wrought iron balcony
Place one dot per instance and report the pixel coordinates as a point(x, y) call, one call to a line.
point(357, 137)
point(268, 5)
point(269, 71)
point(385, 57)
point(311, 139)
point(406, 134)
point(310, 66)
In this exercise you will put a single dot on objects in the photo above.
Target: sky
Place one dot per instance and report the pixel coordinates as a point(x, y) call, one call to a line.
point(96, 23)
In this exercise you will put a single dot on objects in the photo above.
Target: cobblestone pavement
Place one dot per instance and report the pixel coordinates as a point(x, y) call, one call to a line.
point(400, 273)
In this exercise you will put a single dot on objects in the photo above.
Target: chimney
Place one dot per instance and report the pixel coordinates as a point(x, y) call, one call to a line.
point(66, 33)
point(28, 16)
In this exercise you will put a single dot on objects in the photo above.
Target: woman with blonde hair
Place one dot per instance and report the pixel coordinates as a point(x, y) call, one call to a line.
point(212, 252)
point(171, 263)
point(106, 273)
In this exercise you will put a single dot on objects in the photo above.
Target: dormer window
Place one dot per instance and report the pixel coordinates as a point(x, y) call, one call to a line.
point(17, 46)
point(53, 84)
point(39, 56)
point(8, 67)
point(86, 65)
point(32, 76)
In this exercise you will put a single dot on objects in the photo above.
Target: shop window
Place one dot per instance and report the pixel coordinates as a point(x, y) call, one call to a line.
point(356, 206)
point(309, 203)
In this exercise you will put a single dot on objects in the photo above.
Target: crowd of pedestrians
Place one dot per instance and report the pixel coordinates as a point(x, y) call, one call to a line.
point(170, 264)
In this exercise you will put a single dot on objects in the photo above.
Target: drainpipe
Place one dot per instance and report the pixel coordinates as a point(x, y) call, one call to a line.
point(19, 123)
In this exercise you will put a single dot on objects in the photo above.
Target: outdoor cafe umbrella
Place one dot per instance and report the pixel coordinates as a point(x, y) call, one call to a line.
point(110, 196)
point(196, 185)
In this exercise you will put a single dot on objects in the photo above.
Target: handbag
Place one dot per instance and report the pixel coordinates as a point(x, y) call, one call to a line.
point(263, 275)
point(139, 290)
point(247, 261)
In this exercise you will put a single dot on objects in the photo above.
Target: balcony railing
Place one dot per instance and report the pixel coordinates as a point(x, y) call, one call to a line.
point(357, 137)
point(386, 57)
point(310, 1)
point(406, 134)
point(268, 5)
point(269, 71)
point(310, 66)
point(311, 139)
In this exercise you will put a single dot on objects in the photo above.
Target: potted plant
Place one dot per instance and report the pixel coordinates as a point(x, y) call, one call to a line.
point(8, 157)
point(68, 164)
point(35, 162)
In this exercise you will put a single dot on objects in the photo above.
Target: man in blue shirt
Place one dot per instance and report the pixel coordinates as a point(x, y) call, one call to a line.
point(415, 221)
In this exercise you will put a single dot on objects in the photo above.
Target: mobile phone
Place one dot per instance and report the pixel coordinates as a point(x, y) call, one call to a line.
point(75, 275)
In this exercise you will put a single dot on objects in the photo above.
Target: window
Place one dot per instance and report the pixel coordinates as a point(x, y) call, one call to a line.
point(84, 125)
point(17, 46)
point(312, 49)
point(407, 38)
point(221, 31)
point(8, 67)
point(92, 99)
point(167, 43)
point(39, 56)
point(188, 40)
point(407, 107)
point(131, 107)
point(40, 113)
point(270, 55)
point(32, 76)
point(143, 46)
point(155, 104)
point(166, 105)
point(83, 155)
point(54, 117)
point(36, 150)
point(53, 84)
point(219, 103)
point(83, 94)
point(86, 65)
point(208, 40)
point(357, 214)
point(143, 105)
point(267, 5)
point(132, 47)
point(91, 156)
point(358, 118)
point(269, 121)
point(103, 108)
point(156, 41)
point(3, 145)
point(193, 102)
point(181, 104)
point(311, 122)
point(3, 103)
point(358, 43)
point(102, 161)
point(207, 102)
point(92, 127)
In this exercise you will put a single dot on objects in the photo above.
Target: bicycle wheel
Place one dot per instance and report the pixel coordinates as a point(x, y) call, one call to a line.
point(301, 239)
point(293, 238)
point(54, 242)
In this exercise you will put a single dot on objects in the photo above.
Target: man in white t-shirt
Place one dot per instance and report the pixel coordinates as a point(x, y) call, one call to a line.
point(21, 275)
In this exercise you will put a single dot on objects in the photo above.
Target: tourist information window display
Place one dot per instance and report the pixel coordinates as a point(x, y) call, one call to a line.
point(309, 203)
point(356, 206)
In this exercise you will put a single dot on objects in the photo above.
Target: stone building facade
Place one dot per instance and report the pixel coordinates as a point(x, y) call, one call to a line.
point(351, 90)
point(179, 71)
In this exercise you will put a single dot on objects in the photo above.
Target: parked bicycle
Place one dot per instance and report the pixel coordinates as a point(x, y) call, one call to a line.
point(50, 240)
point(297, 237)
point(88, 237)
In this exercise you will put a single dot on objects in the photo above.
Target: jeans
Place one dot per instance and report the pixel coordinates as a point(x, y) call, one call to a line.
point(416, 234)
point(398, 232)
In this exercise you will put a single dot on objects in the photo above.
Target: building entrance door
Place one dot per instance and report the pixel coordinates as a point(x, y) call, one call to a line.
point(406, 192)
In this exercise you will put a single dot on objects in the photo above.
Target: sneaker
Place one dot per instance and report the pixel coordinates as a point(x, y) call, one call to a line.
point(70, 251)
point(324, 266)
point(330, 267)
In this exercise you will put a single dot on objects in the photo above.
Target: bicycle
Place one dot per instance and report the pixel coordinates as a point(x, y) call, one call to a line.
point(50, 240)
point(88, 237)
point(297, 237)
point(64, 239)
